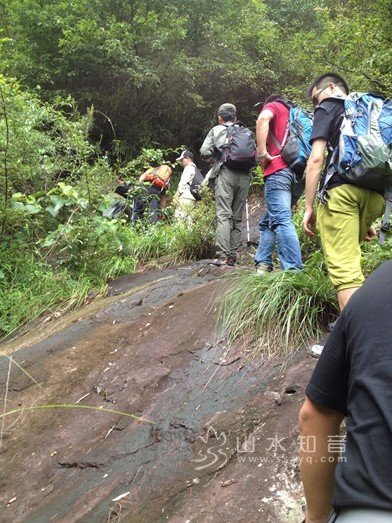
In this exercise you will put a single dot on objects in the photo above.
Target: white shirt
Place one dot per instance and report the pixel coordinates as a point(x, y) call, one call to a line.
point(183, 192)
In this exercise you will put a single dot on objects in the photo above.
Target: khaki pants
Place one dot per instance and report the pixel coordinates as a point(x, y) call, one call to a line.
point(231, 191)
point(343, 223)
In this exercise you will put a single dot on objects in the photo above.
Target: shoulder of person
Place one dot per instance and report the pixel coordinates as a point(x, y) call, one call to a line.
point(220, 127)
point(219, 130)
point(164, 170)
point(330, 104)
point(275, 107)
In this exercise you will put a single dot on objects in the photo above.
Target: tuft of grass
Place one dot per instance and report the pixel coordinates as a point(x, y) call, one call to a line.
point(276, 312)
point(29, 288)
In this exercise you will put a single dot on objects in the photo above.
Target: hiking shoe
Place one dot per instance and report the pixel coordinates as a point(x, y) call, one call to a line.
point(316, 350)
point(231, 261)
point(218, 262)
point(262, 268)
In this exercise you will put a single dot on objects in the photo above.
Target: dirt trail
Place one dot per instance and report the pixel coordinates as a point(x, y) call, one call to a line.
point(218, 439)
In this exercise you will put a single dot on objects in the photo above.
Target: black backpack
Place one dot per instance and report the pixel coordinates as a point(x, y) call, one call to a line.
point(239, 150)
point(194, 187)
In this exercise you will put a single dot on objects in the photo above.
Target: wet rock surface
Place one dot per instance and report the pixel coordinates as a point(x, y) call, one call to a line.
point(217, 440)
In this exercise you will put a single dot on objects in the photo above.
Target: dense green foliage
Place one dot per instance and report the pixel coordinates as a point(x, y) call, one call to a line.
point(56, 246)
point(158, 70)
point(90, 90)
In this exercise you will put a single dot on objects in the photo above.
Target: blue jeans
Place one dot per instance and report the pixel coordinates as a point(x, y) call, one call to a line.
point(281, 192)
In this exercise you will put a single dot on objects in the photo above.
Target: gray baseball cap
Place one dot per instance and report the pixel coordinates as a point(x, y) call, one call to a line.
point(185, 154)
point(227, 108)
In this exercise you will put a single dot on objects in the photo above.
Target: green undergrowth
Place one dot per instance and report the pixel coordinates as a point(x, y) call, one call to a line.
point(29, 287)
point(56, 246)
point(84, 254)
point(278, 311)
point(275, 313)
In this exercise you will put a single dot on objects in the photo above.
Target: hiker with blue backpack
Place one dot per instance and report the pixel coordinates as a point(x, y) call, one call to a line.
point(282, 134)
point(356, 130)
point(232, 148)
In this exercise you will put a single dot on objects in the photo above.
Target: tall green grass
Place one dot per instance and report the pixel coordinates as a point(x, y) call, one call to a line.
point(29, 287)
point(276, 312)
point(85, 253)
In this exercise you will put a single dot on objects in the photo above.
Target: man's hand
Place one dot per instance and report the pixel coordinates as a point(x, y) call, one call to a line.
point(267, 159)
point(371, 234)
point(309, 223)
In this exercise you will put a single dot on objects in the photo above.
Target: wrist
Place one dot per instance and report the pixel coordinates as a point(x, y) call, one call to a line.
point(263, 155)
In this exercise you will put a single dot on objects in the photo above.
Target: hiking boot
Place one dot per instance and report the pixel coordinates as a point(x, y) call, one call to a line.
point(231, 261)
point(262, 268)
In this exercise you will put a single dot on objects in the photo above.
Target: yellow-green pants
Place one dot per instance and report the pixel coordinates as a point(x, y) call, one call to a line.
point(343, 223)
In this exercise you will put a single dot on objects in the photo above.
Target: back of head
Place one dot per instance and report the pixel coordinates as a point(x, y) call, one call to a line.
point(329, 78)
point(227, 112)
point(274, 97)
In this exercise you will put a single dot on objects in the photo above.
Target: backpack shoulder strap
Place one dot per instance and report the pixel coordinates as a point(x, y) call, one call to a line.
point(385, 221)
point(286, 133)
point(279, 145)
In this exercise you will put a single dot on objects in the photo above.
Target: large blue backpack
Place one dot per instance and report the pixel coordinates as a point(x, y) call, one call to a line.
point(295, 147)
point(364, 153)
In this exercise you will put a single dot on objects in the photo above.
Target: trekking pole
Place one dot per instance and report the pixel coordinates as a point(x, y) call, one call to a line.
point(247, 222)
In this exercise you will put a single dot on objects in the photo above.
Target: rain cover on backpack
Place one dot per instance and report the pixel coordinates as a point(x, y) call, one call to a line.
point(364, 153)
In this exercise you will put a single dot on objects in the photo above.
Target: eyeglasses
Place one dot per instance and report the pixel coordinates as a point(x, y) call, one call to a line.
point(315, 96)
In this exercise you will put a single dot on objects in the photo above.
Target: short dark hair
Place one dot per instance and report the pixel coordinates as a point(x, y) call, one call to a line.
point(328, 78)
point(274, 97)
point(227, 116)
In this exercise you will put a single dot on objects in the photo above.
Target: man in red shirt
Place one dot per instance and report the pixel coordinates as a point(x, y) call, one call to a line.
point(281, 190)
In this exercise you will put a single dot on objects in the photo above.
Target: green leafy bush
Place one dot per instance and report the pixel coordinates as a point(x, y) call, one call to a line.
point(58, 268)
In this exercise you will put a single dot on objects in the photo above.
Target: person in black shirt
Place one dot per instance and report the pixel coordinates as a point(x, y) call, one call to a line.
point(345, 217)
point(352, 379)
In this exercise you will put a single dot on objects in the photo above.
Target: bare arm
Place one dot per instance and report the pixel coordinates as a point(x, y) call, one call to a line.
point(142, 177)
point(262, 130)
point(313, 175)
point(316, 425)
